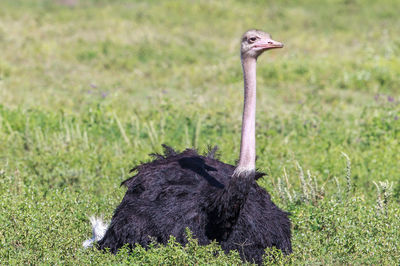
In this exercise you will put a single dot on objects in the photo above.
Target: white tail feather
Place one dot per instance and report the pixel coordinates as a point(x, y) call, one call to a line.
point(99, 229)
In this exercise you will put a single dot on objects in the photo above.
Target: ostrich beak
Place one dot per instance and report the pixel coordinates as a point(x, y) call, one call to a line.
point(269, 44)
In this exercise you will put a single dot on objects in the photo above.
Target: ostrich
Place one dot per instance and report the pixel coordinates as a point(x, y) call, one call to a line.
point(215, 200)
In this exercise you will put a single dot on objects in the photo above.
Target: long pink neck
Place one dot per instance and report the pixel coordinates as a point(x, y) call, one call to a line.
point(247, 158)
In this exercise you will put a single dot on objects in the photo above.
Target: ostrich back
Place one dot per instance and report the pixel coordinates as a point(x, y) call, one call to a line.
point(183, 190)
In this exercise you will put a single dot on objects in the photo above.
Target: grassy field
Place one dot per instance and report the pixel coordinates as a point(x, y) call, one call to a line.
point(89, 90)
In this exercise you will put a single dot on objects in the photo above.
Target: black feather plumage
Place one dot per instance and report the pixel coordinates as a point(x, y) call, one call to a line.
point(186, 190)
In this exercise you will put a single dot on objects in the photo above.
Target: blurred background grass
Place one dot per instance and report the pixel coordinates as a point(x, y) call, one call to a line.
point(89, 88)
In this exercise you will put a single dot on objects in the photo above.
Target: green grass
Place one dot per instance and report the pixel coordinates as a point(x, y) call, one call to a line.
point(87, 92)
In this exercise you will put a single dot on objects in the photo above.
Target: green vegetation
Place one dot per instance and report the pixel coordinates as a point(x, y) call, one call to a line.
point(88, 91)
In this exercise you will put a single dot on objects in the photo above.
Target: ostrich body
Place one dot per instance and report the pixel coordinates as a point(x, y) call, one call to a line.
point(216, 201)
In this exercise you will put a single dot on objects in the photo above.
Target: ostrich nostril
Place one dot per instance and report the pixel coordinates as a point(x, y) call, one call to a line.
point(269, 42)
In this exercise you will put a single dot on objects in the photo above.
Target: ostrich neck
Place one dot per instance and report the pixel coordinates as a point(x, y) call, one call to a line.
point(247, 157)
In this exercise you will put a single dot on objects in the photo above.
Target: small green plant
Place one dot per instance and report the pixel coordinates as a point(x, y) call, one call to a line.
point(311, 191)
point(384, 190)
point(274, 256)
point(348, 173)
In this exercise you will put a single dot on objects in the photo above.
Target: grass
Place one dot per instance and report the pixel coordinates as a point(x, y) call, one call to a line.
point(88, 91)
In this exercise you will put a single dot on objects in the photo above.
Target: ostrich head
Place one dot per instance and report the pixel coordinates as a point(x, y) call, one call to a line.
point(255, 42)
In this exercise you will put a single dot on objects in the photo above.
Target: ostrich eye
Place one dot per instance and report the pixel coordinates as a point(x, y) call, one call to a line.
point(252, 39)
